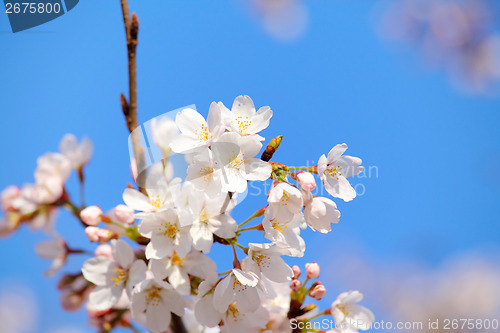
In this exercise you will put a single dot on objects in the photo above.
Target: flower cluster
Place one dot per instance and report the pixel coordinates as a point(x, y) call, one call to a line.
point(162, 276)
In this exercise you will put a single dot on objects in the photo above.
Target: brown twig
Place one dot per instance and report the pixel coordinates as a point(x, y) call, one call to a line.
point(129, 107)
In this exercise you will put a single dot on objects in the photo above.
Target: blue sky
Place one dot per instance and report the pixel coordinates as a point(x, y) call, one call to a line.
point(436, 150)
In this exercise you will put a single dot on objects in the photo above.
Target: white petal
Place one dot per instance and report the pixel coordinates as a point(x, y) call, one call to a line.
point(256, 169)
point(190, 122)
point(206, 313)
point(336, 152)
point(243, 106)
point(95, 270)
point(261, 120)
point(246, 278)
point(179, 280)
point(50, 249)
point(158, 318)
point(223, 295)
point(340, 188)
point(136, 200)
point(136, 275)
point(122, 253)
point(184, 144)
point(175, 302)
point(104, 297)
point(248, 300)
point(277, 270)
point(361, 316)
point(159, 247)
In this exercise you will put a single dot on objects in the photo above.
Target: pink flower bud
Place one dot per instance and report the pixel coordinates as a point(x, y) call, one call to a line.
point(296, 272)
point(104, 250)
point(318, 292)
point(124, 214)
point(295, 285)
point(306, 180)
point(312, 270)
point(9, 194)
point(91, 215)
point(99, 235)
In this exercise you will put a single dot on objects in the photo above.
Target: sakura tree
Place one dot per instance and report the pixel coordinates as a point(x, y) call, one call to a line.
point(152, 267)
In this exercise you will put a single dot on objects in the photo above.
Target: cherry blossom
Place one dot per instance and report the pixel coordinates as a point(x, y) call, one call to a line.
point(78, 154)
point(334, 170)
point(240, 287)
point(177, 269)
point(153, 301)
point(266, 258)
point(286, 201)
point(113, 276)
point(345, 311)
point(206, 217)
point(166, 234)
point(159, 193)
point(243, 119)
point(234, 155)
point(55, 250)
point(196, 132)
point(164, 132)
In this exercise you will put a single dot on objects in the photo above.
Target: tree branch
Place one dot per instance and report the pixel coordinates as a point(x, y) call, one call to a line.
point(129, 107)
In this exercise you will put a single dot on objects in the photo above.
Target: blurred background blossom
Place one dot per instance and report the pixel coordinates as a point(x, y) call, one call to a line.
point(284, 20)
point(464, 286)
point(460, 36)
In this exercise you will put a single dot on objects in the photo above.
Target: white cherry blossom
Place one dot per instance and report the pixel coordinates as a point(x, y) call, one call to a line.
point(113, 276)
point(177, 269)
point(205, 215)
point(203, 174)
point(160, 193)
point(243, 119)
point(285, 233)
point(166, 234)
point(78, 154)
point(153, 301)
point(234, 155)
point(240, 287)
point(334, 170)
point(347, 313)
point(266, 259)
point(52, 165)
point(195, 131)
point(55, 250)
point(320, 212)
point(164, 132)
point(286, 200)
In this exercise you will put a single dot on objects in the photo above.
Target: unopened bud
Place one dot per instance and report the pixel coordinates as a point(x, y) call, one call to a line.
point(91, 215)
point(99, 235)
point(296, 272)
point(306, 180)
point(271, 148)
point(312, 270)
point(295, 285)
point(318, 292)
point(104, 250)
point(124, 214)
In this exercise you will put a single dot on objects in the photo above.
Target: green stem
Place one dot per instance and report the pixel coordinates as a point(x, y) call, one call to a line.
point(311, 169)
point(225, 273)
point(316, 316)
point(247, 229)
point(254, 215)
